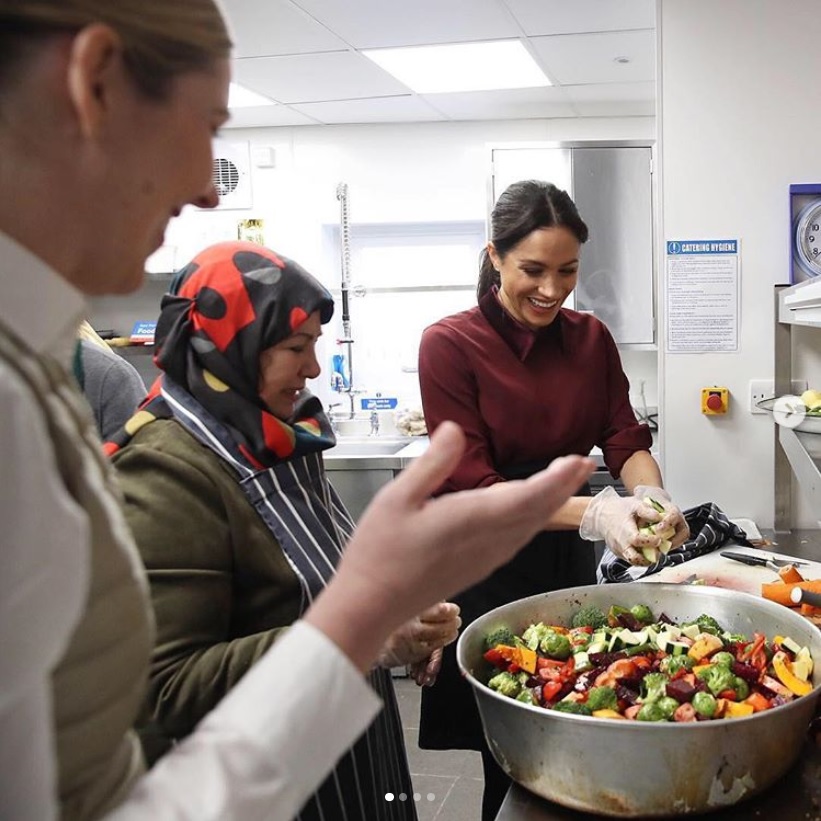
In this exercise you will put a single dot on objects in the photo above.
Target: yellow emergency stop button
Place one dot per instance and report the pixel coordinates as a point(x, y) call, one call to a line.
point(715, 401)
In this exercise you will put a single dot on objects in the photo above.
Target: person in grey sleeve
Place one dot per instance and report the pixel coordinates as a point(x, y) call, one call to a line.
point(112, 385)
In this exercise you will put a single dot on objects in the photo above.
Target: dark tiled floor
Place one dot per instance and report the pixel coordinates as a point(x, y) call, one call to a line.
point(453, 778)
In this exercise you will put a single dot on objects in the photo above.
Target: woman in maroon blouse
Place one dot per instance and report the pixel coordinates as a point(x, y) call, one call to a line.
point(529, 381)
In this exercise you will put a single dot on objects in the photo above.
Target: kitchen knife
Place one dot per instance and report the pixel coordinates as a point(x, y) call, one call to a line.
point(761, 561)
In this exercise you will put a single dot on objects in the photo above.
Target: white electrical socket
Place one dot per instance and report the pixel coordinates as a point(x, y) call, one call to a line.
point(765, 389)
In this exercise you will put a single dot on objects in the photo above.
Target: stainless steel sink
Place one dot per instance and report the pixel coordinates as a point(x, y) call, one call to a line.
point(367, 447)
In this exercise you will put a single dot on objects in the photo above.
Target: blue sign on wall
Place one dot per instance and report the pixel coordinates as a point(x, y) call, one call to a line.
point(143, 332)
point(702, 246)
point(379, 403)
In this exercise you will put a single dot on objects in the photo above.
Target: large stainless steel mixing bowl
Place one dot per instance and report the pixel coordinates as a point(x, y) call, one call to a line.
point(631, 768)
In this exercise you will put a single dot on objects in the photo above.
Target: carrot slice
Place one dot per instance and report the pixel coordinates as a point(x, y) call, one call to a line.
point(789, 574)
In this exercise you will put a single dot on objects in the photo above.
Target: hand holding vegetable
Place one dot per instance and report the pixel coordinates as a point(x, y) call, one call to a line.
point(669, 523)
point(418, 637)
point(614, 519)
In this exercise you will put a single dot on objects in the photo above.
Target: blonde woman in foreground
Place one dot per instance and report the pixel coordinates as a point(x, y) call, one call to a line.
point(107, 112)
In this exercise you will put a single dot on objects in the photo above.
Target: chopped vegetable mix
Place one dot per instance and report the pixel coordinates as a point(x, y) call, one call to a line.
point(631, 664)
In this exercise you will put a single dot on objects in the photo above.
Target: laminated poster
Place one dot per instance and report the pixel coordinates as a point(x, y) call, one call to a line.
point(702, 295)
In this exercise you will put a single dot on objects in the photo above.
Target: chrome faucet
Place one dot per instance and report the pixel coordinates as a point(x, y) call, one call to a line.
point(374, 423)
point(331, 415)
point(351, 393)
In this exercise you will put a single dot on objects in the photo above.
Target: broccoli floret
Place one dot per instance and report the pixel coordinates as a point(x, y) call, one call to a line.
point(705, 704)
point(577, 707)
point(501, 635)
point(742, 689)
point(668, 706)
point(523, 677)
point(556, 645)
point(602, 698)
point(652, 711)
point(526, 697)
point(654, 686)
point(643, 613)
point(534, 634)
point(505, 684)
point(707, 624)
point(672, 664)
point(589, 616)
point(723, 659)
point(717, 678)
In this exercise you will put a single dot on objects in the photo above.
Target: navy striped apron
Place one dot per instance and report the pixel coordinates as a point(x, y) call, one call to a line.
point(309, 521)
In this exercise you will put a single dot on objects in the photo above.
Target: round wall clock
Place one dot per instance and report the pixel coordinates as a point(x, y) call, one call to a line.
point(807, 238)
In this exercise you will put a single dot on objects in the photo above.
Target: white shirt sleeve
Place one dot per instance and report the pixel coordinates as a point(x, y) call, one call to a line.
point(43, 582)
point(268, 745)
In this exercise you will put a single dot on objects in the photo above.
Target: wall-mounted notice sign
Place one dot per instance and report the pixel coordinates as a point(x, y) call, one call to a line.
point(379, 403)
point(702, 295)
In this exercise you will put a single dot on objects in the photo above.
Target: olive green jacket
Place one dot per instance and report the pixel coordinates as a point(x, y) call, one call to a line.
point(221, 587)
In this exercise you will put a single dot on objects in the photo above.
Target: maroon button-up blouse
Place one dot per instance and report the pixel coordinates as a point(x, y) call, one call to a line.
point(524, 396)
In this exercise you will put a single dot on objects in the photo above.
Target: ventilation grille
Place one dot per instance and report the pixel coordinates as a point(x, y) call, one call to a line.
point(231, 173)
point(226, 176)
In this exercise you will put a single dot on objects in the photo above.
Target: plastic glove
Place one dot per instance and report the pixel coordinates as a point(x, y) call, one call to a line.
point(614, 518)
point(418, 637)
point(424, 672)
point(672, 516)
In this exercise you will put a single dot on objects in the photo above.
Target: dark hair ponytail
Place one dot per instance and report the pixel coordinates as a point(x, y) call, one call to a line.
point(522, 208)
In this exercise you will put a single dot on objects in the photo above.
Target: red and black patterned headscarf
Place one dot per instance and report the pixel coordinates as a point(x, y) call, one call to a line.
point(229, 304)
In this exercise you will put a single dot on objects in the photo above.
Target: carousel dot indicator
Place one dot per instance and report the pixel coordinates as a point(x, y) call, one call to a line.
point(388, 796)
point(403, 797)
point(417, 796)
point(431, 797)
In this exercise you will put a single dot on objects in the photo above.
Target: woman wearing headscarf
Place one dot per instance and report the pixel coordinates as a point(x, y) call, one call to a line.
point(228, 500)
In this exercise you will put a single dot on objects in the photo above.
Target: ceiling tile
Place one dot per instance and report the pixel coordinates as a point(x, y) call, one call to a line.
point(613, 100)
point(265, 115)
point(561, 17)
point(301, 53)
point(513, 104)
point(310, 78)
point(575, 59)
point(272, 27)
point(375, 110)
point(380, 24)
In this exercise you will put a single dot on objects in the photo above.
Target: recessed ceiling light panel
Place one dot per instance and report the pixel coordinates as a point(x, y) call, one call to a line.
point(241, 97)
point(490, 66)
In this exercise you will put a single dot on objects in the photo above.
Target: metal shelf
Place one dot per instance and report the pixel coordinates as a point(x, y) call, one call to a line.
point(796, 454)
point(800, 304)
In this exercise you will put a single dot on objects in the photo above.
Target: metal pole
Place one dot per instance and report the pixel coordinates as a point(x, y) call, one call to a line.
point(345, 249)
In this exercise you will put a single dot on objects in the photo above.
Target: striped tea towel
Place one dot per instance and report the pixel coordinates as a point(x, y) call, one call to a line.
point(709, 529)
